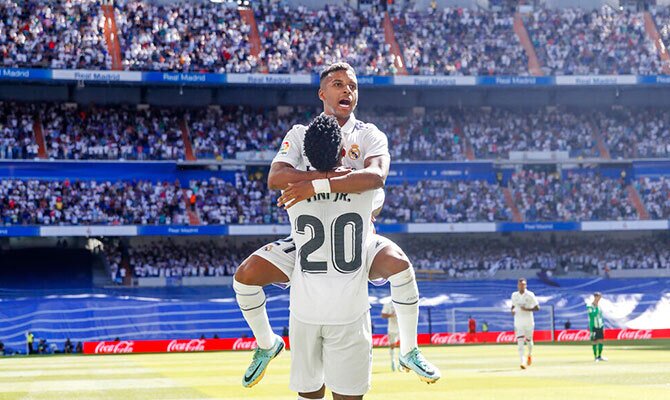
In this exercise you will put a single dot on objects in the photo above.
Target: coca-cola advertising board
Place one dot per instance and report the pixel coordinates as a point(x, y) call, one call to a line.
point(424, 339)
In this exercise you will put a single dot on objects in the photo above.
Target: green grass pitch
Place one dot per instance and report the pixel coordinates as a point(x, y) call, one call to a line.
point(635, 371)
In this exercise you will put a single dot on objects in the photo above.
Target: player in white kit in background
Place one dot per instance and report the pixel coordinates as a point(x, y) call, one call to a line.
point(524, 304)
point(329, 327)
point(388, 313)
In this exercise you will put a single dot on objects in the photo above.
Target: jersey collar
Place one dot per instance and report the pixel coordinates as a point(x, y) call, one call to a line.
point(348, 127)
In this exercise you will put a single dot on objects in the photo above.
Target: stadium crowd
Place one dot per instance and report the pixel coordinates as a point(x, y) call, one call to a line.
point(461, 257)
point(58, 35)
point(84, 133)
point(42, 202)
point(458, 257)
point(655, 194)
point(543, 196)
point(605, 41)
point(493, 133)
point(223, 133)
point(211, 37)
point(444, 201)
point(459, 41)
point(539, 196)
point(150, 133)
point(16, 132)
point(169, 258)
point(300, 40)
point(183, 36)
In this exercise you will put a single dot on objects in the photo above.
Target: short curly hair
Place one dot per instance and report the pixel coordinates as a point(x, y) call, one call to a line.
point(338, 66)
point(323, 143)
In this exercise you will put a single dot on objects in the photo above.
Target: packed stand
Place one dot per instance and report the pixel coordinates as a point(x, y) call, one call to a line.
point(41, 202)
point(247, 201)
point(481, 257)
point(300, 40)
point(661, 16)
point(573, 41)
point(444, 201)
point(16, 132)
point(494, 133)
point(543, 196)
point(82, 133)
point(183, 36)
point(170, 258)
point(635, 133)
point(433, 135)
point(58, 35)
point(224, 133)
point(655, 194)
point(459, 41)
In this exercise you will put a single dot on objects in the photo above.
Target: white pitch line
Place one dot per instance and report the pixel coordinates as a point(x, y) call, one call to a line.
point(89, 385)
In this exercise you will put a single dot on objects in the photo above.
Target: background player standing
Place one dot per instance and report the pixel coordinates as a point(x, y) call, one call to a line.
point(524, 304)
point(596, 326)
point(388, 313)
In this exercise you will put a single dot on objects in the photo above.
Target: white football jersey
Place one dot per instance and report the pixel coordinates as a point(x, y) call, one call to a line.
point(392, 321)
point(528, 300)
point(361, 141)
point(329, 284)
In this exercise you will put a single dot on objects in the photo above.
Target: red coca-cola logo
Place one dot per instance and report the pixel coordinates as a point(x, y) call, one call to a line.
point(192, 345)
point(124, 346)
point(574, 336)
point(627, 334)
point(380, 340)
point(506, 337)
point(244, 344)
point(448, 338)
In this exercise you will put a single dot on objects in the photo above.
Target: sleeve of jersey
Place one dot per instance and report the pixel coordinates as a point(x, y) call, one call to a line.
point(290, 151)
point(535, 302)
point(376, 143)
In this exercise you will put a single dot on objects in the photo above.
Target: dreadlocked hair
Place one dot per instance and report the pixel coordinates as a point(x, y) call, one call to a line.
point(323, 142)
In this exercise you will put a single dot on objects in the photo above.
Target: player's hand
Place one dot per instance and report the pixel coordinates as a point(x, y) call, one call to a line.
point(295, 193)
point(340, 171)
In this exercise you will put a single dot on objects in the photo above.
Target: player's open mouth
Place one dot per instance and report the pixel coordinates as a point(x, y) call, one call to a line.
point(345, 103)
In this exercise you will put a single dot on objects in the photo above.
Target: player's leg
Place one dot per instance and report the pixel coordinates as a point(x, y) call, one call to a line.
point(529, 343)
point(520, 340)
point(390, 262)
point(343, 397)
point(393, 344)
point(347, 358)
point(317, 395)
point(594, 345)
point(271, 264)
point(306, 376)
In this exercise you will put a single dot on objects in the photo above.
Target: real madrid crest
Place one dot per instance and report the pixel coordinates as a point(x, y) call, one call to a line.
point(354, 152)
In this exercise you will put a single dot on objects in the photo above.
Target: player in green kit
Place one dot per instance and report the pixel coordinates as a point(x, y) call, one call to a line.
point(596, 327)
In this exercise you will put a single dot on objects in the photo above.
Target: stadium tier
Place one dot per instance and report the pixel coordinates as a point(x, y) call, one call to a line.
point(290, 38)
point(70, 132)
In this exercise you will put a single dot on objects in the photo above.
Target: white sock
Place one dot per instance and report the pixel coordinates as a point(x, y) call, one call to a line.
point(405, 296)
point(520, 342)
point(392, 352)
point(251, 300)
point(530, 347)
point(305, 398)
